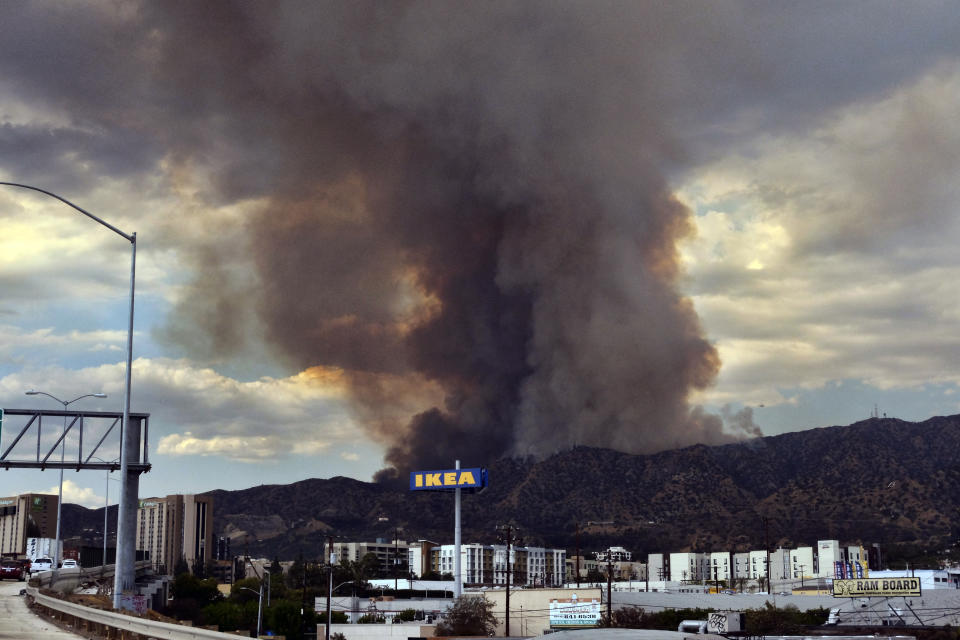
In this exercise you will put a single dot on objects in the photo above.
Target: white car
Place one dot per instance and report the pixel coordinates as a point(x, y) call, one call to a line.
point(41, 564)
point(69, 564)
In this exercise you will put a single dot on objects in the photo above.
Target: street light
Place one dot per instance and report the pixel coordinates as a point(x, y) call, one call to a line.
point(126, 513)
point(106, 511)
point(259, 604)
point(63, 445)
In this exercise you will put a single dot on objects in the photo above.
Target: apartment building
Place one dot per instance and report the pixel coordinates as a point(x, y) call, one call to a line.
point(802, 563)
point(489, 564)
point(690, 566)
point(393, 556)
point(418, 557)
point(176, 527)
point(720, 568)
point(28, 515)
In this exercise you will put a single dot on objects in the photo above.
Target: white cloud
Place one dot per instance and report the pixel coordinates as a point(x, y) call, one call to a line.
point(196, 411)
point(74, 494)
point(829, 254)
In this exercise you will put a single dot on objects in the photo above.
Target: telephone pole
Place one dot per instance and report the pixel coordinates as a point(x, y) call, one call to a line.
point(507, 535)
point(578, 555)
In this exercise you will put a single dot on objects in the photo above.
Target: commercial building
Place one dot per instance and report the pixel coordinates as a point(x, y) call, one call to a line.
point(177, 527)
point(29, 515)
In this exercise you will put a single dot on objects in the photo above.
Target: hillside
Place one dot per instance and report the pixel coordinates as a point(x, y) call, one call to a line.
point(880, 480)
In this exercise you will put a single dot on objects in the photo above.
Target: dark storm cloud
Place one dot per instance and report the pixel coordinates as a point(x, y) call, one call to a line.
point(476, 193)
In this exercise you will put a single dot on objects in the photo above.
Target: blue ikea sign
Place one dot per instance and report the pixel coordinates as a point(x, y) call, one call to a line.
point(475, 478)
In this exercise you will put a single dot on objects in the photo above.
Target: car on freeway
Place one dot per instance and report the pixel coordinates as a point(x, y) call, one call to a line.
point(11, 569)
point(41, 564)
point(69, 564)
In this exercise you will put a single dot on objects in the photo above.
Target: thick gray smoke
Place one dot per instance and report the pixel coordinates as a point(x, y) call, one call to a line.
point(470, 192)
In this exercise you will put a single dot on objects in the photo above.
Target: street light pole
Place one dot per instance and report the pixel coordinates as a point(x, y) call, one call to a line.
point(63, 446)
point(124, 574)
point(259, 604)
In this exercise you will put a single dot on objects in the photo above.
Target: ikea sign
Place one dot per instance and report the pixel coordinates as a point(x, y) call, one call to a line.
point(448, 479)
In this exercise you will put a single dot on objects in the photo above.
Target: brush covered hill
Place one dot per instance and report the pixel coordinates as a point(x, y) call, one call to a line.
point(880, 480)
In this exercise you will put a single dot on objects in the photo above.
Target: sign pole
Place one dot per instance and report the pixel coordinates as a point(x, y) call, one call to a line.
point(457, 577)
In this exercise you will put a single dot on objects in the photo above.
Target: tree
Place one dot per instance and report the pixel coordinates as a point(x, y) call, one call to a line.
point(191, 594)
point(181, 567)
point(468, 616)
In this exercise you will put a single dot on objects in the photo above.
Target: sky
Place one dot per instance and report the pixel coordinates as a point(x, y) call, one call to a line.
point(378, 237)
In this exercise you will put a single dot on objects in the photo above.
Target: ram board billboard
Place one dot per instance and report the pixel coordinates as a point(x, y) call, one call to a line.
point(876, 587)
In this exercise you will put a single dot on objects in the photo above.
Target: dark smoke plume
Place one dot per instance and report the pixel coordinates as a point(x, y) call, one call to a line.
point(472, 194)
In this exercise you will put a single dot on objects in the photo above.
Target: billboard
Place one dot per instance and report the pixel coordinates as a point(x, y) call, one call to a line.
point(879, 587)
point(573, 613)
point(448, 479)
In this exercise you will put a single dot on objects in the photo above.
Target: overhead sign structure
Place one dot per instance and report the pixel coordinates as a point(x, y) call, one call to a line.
point(574, 613)
point(448, 479)
point(876, 587)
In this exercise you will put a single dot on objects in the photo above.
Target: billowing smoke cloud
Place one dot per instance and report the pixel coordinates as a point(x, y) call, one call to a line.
point(465, 206)
point(471, 194)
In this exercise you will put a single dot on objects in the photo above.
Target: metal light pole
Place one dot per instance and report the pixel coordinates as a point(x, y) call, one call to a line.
point(259, 604)
point(124, 577)
point(63, 446)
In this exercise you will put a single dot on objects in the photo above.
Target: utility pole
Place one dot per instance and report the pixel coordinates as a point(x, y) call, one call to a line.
point(396, 568)
point(331, 558)
point(609, 588)
point(578, 555)
point(766, 549)
point(507, 536)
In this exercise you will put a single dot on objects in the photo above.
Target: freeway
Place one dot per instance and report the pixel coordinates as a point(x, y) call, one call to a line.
point(17, 621)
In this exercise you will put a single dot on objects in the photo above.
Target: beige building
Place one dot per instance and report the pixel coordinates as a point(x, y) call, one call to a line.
point(175, 527)
point(533, 611)
point(29, 515)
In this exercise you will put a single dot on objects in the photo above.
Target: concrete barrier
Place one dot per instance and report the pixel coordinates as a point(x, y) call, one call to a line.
point(109, 623)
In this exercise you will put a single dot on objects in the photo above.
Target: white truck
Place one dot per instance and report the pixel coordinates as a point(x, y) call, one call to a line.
point(43, 548)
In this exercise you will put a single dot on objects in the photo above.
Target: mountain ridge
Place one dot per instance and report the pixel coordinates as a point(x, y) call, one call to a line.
point(879, 480)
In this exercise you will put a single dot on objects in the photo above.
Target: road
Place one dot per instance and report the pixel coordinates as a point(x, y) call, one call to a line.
point(17, 621)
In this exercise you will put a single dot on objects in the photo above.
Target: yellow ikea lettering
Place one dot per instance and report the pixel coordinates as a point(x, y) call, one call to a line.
point(433, 480)
point(449, 478)
point(467, 478)
point(418, 480)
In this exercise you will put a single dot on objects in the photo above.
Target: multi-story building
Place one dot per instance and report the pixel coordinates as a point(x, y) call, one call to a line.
point(802, 563)
point(586, 565)
point(555, 567)
point(489, 564)
point(615, 554)
point(658, 566)
point(177, 527)
point(392, 556)
point(690, 566)
point(418, 557)
point(828, 554)
point(720, 566)
point(780, 570)
point(758, 565)
point(741, 566)
point(29, 515)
